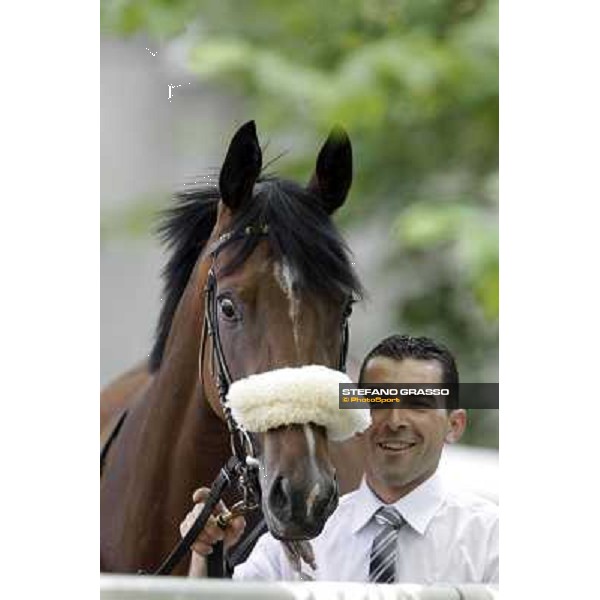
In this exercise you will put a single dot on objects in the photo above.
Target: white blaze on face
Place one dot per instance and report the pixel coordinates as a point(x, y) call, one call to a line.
point(310, 446)
point(285, 277)
point(310, 442)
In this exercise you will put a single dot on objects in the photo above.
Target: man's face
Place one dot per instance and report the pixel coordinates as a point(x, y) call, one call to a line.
point(403, 445)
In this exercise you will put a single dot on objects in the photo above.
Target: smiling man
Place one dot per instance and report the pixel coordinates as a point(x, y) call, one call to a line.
point(403, 446)
point(402, 524)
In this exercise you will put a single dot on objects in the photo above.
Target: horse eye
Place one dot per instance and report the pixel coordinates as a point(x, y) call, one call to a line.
point(227, 308)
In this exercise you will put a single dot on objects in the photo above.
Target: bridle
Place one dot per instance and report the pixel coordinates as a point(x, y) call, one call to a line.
point(241, 440)
point(243, 464)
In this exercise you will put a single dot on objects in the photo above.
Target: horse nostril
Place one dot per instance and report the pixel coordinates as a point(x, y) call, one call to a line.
point(327, 503)
point(334, 498)
point(280, 497)
point(334, 484)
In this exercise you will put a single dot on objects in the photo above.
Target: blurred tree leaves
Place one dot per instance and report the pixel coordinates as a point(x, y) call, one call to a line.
point(416, 84)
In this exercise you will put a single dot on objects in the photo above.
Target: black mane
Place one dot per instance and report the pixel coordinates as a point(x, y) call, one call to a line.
point(300, 232)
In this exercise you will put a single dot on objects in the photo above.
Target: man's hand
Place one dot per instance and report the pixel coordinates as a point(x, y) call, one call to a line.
point(212, 533)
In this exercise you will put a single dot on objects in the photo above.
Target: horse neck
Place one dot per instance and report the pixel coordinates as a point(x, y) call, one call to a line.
point(177, 385)
point(176, 419)
point(177, 395)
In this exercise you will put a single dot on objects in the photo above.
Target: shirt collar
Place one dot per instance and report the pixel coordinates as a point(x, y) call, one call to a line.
point(417, 507)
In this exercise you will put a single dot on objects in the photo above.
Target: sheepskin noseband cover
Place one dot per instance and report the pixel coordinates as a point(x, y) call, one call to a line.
point(296, 395)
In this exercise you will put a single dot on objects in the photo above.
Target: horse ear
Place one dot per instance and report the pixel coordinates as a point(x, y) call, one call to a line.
point(241, 167)
point(333, 174)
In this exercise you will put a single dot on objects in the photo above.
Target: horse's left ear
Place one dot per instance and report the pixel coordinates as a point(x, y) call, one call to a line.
point(333, 174)
point(241, 167)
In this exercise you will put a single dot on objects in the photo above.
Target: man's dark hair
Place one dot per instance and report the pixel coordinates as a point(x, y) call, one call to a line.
point(399, 347)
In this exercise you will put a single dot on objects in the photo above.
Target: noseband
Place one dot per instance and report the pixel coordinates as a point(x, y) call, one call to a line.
point(243, 465)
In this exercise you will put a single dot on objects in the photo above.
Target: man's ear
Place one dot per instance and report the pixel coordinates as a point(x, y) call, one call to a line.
point(241, 167)
point(457, 422)
point(332, 177)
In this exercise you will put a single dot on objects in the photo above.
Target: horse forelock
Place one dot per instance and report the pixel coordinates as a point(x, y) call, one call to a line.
point(301, 235)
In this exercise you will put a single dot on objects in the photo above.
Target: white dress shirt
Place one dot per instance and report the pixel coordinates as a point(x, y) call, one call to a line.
point(450, 537)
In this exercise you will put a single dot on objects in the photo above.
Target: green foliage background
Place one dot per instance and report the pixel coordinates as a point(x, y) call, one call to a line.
point(415, 82)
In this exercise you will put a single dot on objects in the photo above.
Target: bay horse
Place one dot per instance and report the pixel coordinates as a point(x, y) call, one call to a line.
point(283, 286)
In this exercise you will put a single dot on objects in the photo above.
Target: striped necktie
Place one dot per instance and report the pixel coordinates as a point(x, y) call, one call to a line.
point(383, 552)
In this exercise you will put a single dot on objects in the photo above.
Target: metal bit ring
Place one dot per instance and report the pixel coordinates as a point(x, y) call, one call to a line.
point(223, 520)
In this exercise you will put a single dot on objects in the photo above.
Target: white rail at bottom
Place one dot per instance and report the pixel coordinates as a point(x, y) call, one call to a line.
point(138, 587)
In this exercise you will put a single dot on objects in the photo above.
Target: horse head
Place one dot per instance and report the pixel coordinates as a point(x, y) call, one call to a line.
point(282, 295)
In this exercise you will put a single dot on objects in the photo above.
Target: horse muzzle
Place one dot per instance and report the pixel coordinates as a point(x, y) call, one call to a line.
point(299, 512)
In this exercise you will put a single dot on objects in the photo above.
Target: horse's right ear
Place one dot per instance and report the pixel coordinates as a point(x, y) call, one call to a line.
point(241, 167)
point(333, 173)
